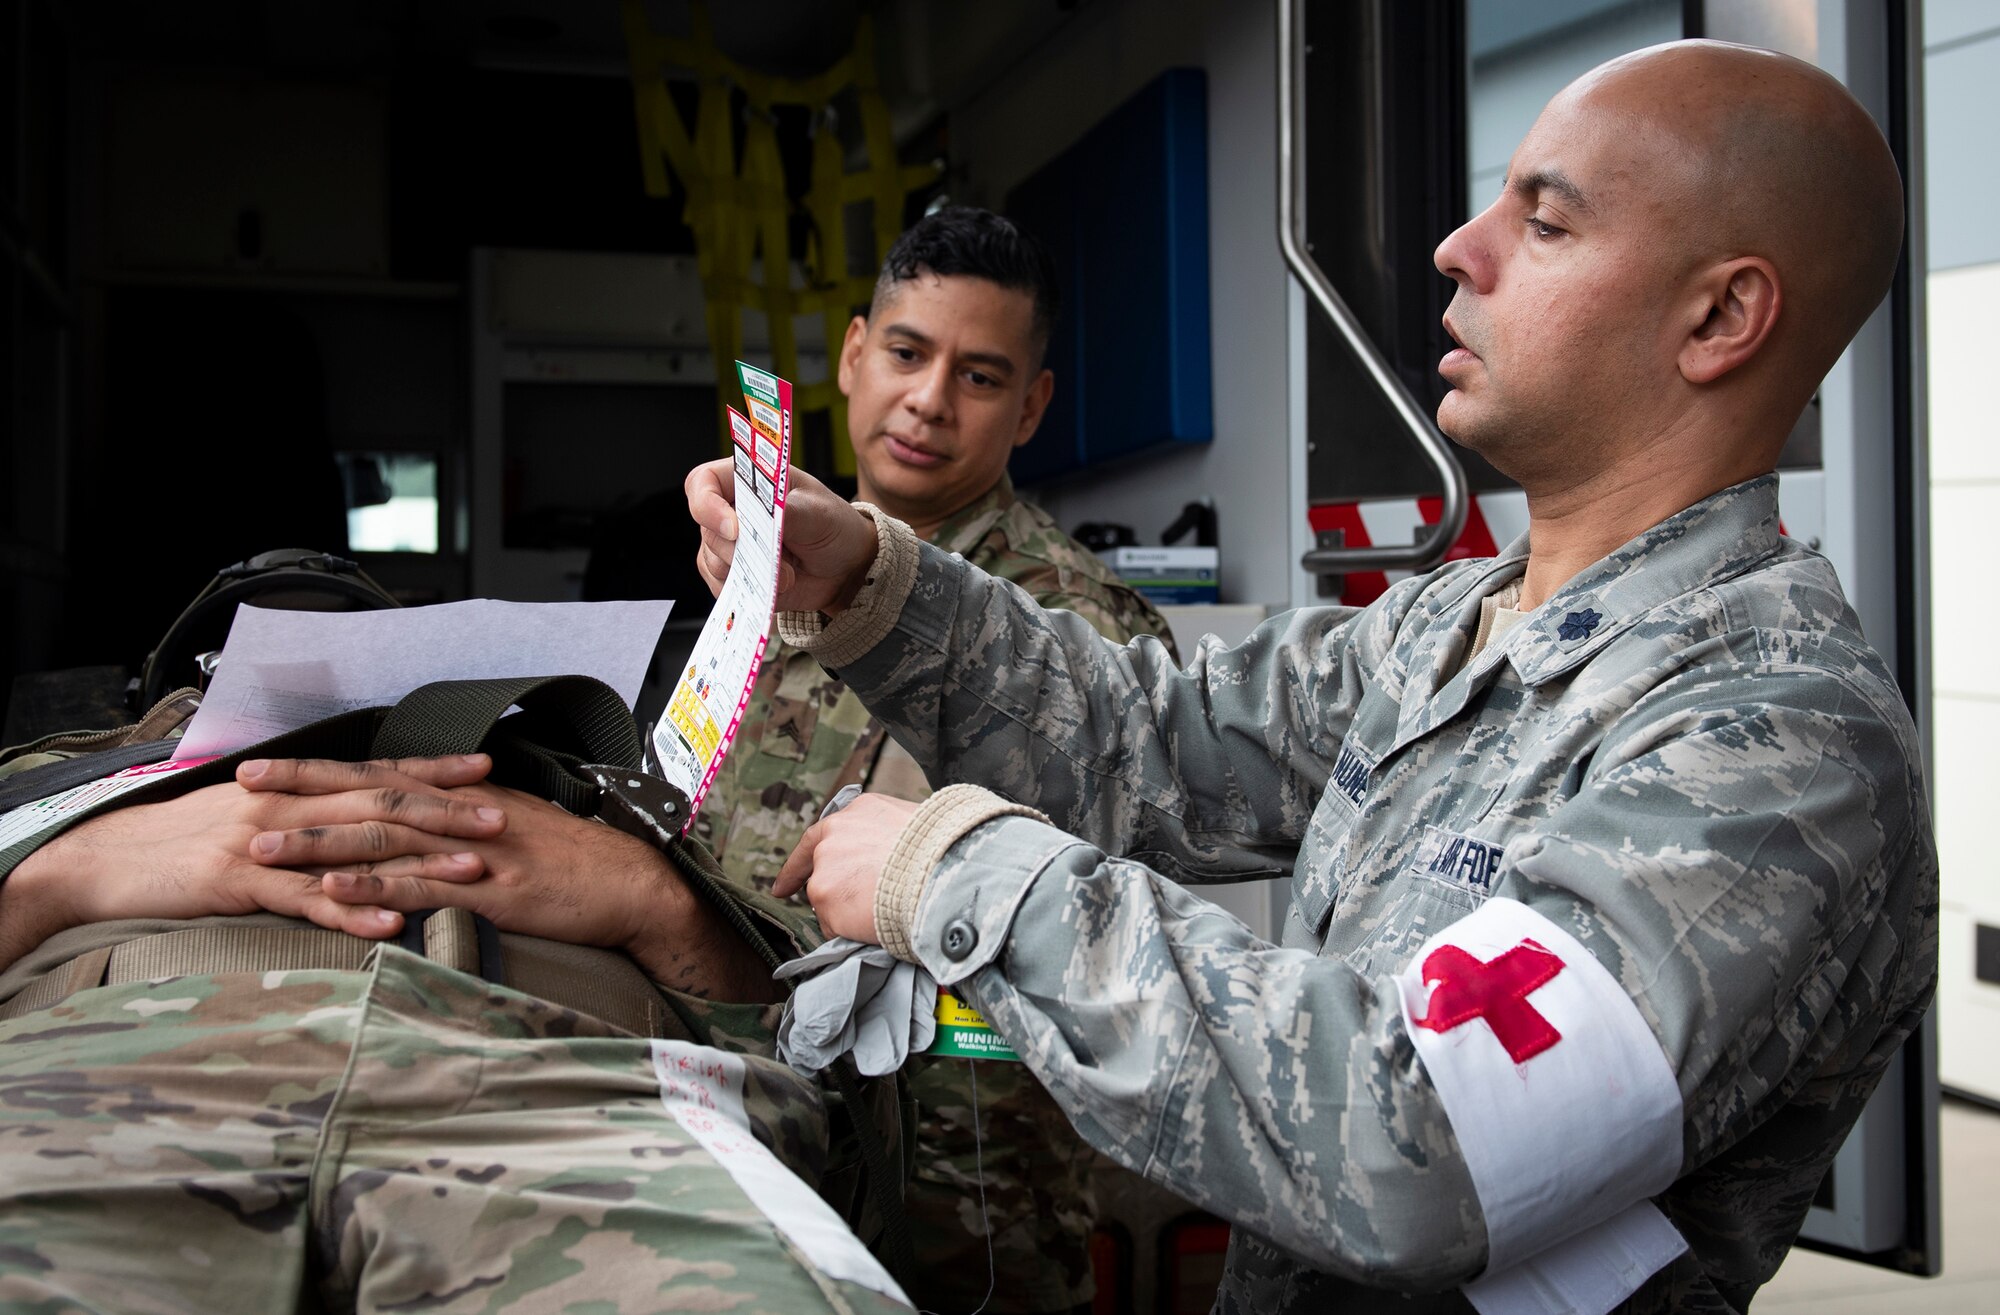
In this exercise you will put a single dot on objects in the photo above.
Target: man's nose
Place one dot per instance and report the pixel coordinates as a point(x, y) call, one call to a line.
point(1463, 256)
point(929, 396)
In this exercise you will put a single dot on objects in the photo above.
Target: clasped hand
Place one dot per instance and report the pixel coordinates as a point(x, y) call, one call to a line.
point(352, 847)
point(828, 545)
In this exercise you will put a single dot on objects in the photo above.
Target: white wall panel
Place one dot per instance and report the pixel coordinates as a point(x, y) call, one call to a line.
point(1964, 342)
point(1962, 211)
point(1957, 20)
point(1961, 98)
point(1961, 796)
point(1965, 625)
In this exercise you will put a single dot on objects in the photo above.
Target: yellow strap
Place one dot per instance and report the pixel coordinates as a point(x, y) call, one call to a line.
point(451, 938)
point(79, 974)
point(225, 949)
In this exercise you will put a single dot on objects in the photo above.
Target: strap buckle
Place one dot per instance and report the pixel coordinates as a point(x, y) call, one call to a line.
point(639, 803)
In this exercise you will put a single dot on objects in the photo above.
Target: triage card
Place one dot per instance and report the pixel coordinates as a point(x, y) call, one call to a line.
point(701, 718)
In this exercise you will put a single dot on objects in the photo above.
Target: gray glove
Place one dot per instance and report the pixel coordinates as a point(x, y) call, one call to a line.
point(855, 998)
point(858, 999)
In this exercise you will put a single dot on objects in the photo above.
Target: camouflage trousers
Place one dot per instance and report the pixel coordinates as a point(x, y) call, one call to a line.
point(1038, 1204)
point(400, 1138)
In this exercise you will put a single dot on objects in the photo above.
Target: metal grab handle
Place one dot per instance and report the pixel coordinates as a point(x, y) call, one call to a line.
point(1431, 548)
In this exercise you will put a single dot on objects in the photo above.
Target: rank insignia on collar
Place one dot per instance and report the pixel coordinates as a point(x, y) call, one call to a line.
point(1578, 625)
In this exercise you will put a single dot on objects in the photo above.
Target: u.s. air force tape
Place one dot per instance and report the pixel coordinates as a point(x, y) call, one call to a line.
point(1564, 1106)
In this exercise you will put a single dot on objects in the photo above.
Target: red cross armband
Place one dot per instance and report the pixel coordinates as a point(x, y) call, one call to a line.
point(1565, 1108)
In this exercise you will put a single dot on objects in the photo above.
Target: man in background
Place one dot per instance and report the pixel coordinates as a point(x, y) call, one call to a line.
point(944, 378)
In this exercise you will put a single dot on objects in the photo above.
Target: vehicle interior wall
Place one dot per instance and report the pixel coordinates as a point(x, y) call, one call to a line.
point(259, 226)
point(267, 214)
point(1079, 72)
point(1962, 99)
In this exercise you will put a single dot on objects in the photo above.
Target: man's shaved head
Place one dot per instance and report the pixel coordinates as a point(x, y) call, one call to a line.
point(1687, 239)
point(1782, 162)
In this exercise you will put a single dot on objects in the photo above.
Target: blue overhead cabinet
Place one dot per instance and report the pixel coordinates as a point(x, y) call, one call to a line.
point(1125, 214)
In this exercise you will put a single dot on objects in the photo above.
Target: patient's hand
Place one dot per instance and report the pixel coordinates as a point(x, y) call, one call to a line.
point(550, 874)
point(216, 851)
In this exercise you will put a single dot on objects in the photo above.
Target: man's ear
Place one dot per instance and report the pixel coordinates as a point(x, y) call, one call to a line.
point(1035, 405)
point(1736, 307)
point(850, 353)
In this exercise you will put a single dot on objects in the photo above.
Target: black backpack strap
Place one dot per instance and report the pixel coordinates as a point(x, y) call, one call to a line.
point(24, 787)
point(565, 722)
point(345, 736)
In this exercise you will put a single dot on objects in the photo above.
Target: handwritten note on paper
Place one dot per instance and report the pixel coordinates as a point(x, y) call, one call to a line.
point(701, 717)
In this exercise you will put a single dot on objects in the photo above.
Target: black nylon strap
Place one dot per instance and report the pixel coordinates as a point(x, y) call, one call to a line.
point(454, 716)
point(565, 721)
point(56, 777)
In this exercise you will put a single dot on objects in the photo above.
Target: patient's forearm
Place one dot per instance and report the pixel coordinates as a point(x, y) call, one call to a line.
point(687, 945)
point(30, 910)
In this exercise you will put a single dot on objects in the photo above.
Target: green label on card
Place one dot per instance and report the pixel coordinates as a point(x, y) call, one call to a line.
point(962, 1033)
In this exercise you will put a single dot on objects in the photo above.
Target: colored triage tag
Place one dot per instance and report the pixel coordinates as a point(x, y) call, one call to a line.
point(963, 1034)
point(707, 705)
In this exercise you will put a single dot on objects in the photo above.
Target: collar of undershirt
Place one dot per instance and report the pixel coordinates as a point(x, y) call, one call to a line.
point(1497, 616)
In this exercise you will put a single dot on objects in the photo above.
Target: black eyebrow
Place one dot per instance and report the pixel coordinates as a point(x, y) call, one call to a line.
point(1551, 180)
point(993, 360)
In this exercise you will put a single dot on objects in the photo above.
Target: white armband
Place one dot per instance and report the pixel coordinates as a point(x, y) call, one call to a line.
point(1564, 1105)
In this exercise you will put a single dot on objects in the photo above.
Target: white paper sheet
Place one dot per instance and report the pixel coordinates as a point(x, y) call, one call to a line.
point(702, 1088)
point(701, 717)
point(283, 670)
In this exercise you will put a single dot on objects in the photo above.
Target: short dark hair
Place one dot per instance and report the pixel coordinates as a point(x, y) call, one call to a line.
point(965, 240)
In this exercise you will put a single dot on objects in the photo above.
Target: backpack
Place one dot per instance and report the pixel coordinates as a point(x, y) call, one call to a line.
point(289, 579)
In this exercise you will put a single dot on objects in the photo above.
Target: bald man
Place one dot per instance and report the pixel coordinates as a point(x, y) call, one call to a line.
point(1613, 886)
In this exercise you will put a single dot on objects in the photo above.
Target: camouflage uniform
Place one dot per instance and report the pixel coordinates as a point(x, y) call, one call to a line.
point(403, 1137)
point(1687, 762)
point(408, 1135)
point(803, 737)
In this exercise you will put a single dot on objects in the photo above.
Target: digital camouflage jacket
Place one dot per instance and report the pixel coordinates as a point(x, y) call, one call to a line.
point(1635, 906)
